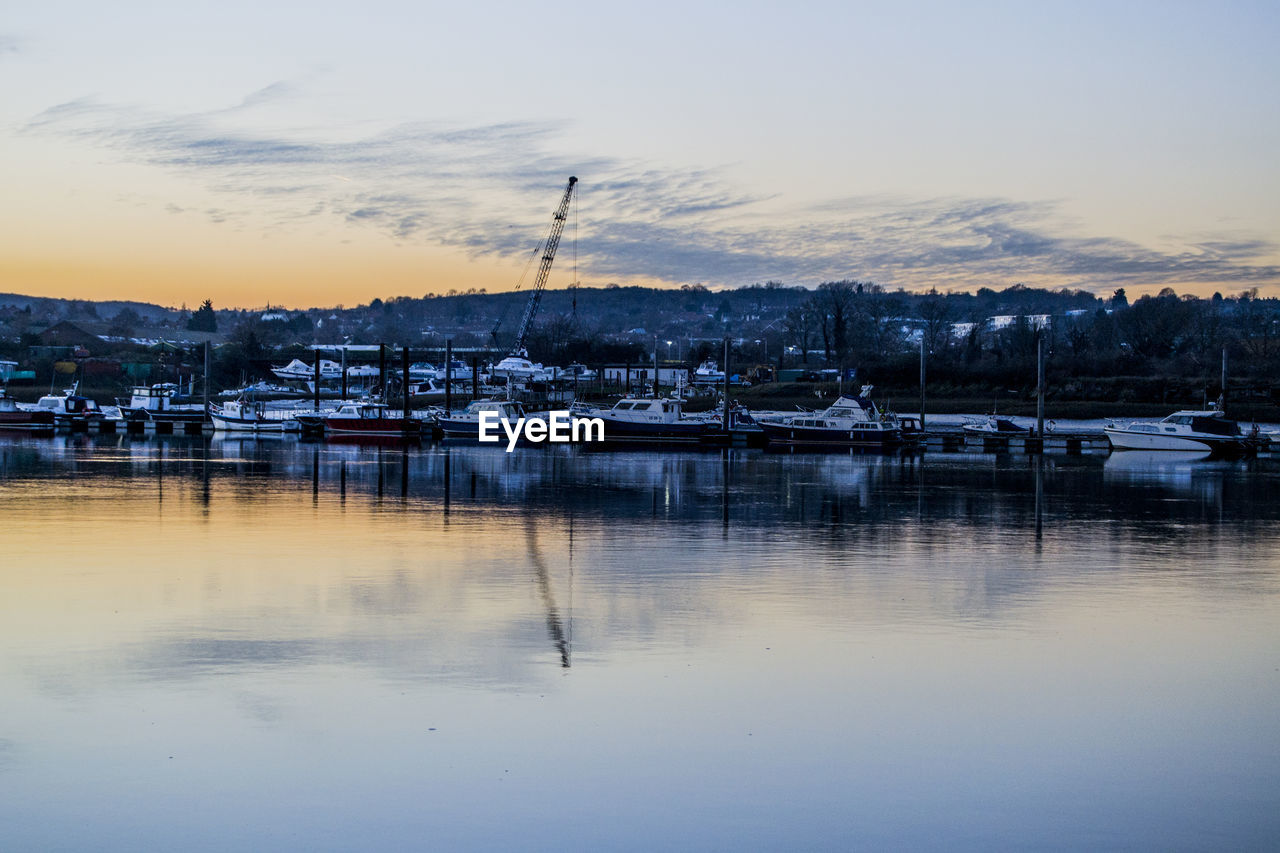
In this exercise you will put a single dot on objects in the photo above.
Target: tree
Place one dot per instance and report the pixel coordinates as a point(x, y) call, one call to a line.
point(937, 317)
point(798, 325)
point(124, 323)
point(835, 302)
point(204, 319)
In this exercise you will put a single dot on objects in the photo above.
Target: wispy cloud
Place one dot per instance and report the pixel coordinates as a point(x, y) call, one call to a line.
point(486, 188)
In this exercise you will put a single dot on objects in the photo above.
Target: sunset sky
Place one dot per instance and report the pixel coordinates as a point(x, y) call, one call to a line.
point(327, 153)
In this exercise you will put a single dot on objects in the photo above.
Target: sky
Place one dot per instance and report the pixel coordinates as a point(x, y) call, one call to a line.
point(317, 154)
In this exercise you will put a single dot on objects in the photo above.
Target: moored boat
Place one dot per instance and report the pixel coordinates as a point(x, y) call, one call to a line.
point(156, 403)
point(356, 419)
point(251, 416)
point(707, 373)
point(70, 409)
point(653, 419)
point(466, 422)
point(15, 419)
point(1207, 430)
point(299, 371)
point(995, 425)
point(848, 422)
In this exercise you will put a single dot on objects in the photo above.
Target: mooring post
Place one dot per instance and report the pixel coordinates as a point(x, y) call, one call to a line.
point(404, 383)
point(316, 373)
point(655, 365)
point(1222, 398)
point(922, 352)
point(206, 375)
point(724, 416)
point(1040, 387)
point(475, 378)
point(627, 381)
point(448, 376)
point(382, 371)
point(344, 371)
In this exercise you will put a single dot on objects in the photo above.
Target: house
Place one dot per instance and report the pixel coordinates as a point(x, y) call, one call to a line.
point(64, 333)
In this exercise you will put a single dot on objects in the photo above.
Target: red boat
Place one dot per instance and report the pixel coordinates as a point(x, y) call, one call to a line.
point(13, 419)
point(372, 419)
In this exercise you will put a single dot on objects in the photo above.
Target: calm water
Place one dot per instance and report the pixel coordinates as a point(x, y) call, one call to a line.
point(255, 644)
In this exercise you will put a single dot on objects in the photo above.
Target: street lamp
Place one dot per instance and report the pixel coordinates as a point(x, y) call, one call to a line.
point(669, 343)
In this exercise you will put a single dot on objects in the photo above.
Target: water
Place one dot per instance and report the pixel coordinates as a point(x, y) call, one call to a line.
point(274, 645)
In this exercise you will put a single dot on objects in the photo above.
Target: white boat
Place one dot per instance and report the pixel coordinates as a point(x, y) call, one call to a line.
point(251, 416)
point(360, 419)
point(436, 386)
point(994, 425)
point(70, 409)
point(156, 403)
point(1208, 430)
point(708, 373)
point(358, 371)
point(659, 419)
point(573, 373)
point(298, 370)
point(848, 422)
point(466, 423)
point(517, 368)
point(456, 370)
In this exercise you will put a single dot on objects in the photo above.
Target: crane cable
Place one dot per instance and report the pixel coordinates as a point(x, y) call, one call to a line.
point(537, 250)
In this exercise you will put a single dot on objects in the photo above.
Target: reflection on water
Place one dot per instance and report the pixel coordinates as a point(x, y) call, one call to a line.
point(245, 643)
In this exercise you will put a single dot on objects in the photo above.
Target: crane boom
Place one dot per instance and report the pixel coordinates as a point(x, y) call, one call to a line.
point(544, 269)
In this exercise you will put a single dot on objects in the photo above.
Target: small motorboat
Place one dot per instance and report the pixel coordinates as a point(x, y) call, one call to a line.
point(357, 419)
point(156, 403)
point(653, 419)
point(1208, 430)
point(299, 371)
point(251, 416)
point(848, 422)
point(30, 421)
point(466, 423)
point(707, 373)
point(994, 425)
point(518, 368)
point(70, 409)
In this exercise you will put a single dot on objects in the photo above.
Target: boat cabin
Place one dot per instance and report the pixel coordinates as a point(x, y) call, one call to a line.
point(509, 409)
point(153, 398)
point(647, 409)
point(1209, 422)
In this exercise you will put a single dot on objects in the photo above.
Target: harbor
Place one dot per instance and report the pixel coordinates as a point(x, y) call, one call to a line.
point(808, 629)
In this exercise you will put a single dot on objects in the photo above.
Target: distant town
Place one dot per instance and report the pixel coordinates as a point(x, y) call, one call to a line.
point(980, 346)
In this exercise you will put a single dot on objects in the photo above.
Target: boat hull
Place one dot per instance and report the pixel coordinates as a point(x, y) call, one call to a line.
point(680, 432)
point(788, 435)
point(32, 423)
point(169, 416)
point(221, 423)
point(1122, 439)
point(377, 427)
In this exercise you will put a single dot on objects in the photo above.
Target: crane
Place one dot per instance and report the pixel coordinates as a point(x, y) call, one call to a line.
point(544, 269)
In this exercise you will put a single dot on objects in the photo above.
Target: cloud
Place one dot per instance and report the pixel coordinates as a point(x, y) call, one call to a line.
point(487, 189)
point(9, 44)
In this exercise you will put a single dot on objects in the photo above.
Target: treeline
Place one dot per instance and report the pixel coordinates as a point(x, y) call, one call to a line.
point(1156, 348)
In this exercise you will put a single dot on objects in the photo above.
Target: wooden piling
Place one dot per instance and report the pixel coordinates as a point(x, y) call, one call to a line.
point(404, 384)
point(382, 371)
point(724, 417)
point(1040, 384)
point(448, 376)
point(922, 352)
